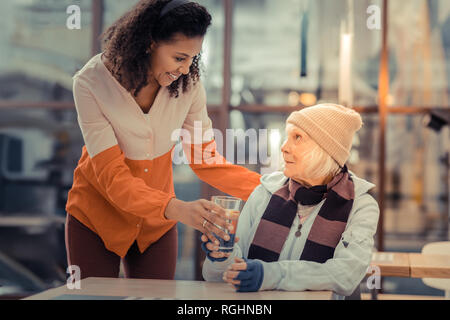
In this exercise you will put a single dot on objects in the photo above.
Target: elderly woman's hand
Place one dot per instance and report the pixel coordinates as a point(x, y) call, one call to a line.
point(203, 215)
point(246, 275)
point(212, 250)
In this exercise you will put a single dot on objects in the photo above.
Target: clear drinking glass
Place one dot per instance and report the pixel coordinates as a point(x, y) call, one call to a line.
point(232, 207)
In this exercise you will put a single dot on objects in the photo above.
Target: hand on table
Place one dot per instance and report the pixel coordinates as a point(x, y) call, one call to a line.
point(246, 275)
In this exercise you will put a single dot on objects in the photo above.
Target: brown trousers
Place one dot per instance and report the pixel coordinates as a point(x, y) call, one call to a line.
point(86, 250)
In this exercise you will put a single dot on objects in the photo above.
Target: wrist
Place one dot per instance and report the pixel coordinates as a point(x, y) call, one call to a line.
point(173, 209)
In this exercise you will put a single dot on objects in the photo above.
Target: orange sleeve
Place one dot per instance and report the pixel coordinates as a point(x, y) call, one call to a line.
point(110, 172)
point(215, 170)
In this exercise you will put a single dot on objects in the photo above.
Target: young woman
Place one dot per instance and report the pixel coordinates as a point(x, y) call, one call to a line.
point(130, 99)
point(311, 226)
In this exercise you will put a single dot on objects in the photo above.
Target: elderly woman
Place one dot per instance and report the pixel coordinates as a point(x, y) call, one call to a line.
point(310, 227)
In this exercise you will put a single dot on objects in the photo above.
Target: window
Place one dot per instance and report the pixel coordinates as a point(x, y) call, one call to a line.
point(287, 53)
point(39, 54)
point(419, 41)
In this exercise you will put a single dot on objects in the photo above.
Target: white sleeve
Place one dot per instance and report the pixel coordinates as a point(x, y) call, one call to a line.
point(213, 271)
point(97, 132)
point(198, 112)
point(341, 274)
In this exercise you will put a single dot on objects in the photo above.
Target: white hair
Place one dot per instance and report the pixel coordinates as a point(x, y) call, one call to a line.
point(318, 164)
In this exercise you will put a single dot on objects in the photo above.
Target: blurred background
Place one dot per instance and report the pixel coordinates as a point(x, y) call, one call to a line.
point(262, 60)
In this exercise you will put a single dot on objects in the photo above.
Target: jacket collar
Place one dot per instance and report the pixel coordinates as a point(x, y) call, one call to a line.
point(272, 182)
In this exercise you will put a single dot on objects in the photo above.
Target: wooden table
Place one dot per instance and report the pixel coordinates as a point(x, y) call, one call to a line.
point(412, 265)
point(429, 265)
point(126, 289)
point(392, 264)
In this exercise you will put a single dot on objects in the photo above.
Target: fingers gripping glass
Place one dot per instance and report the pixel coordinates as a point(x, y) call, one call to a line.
point(232, 207)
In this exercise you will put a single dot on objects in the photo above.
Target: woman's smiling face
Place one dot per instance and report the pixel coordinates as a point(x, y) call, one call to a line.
point(171, 60)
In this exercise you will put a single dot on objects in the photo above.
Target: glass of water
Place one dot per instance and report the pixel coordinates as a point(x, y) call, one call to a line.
point(232, 208)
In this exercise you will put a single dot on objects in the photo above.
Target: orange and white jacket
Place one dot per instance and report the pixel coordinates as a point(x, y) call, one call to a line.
point(123, 180)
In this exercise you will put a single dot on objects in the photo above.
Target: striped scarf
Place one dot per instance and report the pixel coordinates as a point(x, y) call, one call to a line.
point(326, 230)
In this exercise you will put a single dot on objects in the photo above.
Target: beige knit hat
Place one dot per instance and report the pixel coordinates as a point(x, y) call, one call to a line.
point(331, 126)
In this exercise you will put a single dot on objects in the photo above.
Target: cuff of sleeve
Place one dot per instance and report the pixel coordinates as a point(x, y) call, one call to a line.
point(164, 207)
point(213, 271)
point(272, 276)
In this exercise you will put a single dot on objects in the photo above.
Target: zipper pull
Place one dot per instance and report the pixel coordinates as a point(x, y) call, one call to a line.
point(298, 233)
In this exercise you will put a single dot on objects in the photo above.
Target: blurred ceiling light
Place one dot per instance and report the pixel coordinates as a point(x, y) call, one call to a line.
point(293, 99)
point(308, 99)
point(390, 100)
point(345, 69)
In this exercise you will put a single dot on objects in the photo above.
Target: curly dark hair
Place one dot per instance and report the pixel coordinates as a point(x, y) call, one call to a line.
point(126, 41)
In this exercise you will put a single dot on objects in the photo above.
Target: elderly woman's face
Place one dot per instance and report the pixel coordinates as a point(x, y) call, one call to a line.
point(297, 144)
point(171, 60)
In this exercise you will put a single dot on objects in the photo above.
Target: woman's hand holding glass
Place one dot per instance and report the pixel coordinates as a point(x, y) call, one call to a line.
point(203, 215)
